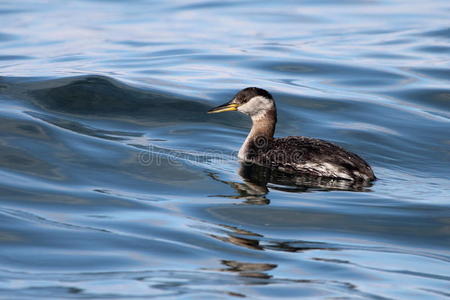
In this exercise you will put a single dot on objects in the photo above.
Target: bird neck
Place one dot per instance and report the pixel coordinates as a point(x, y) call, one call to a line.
point(261, 134)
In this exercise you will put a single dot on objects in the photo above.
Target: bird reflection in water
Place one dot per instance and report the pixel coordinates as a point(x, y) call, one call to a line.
point(258, 179)
point(240, 237)
point(251, 240)
point(246, 269)
point(255, 241)
point(278, 180)
point(247, 239)
point(252, 192)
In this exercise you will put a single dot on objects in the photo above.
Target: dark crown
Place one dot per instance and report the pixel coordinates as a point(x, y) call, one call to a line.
point(246, 94)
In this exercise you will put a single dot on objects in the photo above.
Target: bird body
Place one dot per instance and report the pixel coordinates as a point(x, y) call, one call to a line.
point(293, 154)
point(309, 156)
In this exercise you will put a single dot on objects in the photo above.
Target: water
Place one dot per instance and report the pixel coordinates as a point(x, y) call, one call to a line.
point(116, 184)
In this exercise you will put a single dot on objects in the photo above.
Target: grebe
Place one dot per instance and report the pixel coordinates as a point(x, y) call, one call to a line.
point(293, 154)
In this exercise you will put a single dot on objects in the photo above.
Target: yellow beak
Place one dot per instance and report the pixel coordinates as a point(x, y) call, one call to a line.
point(224, 107)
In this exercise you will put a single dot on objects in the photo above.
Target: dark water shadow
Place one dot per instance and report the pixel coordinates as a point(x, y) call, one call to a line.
point(103, 96)
point(96, 97)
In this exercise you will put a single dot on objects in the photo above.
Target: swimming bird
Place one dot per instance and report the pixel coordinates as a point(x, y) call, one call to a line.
point(293, 154)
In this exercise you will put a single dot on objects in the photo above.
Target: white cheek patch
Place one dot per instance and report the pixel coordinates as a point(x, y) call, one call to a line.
point(256, 106)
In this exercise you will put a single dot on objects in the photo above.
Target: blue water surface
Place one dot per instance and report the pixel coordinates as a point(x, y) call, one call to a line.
point(116, 184)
